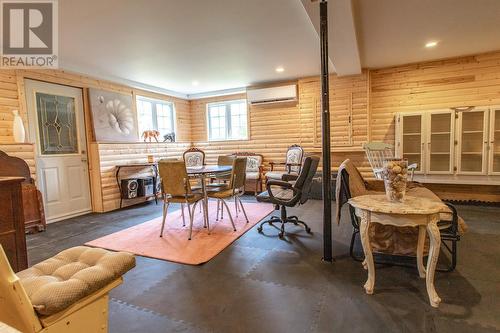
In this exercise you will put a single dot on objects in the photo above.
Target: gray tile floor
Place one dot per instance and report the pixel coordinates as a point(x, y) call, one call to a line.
point(264, 284)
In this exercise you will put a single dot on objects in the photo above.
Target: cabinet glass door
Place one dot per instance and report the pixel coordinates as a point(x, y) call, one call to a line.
point(440, 142)
point(412, 139)
point(472, 140)
point(495, 141)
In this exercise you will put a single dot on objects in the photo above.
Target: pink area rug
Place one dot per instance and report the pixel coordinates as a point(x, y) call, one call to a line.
point(144, 239)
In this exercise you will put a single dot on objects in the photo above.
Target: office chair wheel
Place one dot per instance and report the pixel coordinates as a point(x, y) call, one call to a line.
point(259, 229)
point(281, 235)
point(308, 230)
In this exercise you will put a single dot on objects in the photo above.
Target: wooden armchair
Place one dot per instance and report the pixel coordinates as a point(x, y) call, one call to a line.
point(254, 169)
point(53, 296)
point(34, 215)
point(292, 164)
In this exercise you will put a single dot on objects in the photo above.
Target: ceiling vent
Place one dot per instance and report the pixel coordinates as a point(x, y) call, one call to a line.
point(272, 95)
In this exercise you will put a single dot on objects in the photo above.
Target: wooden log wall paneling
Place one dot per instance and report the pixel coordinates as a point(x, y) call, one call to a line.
point(273, 128)
point(370, 100)
point(111, 154)
point(9, 101)
point(465, 81)
point(12, 97)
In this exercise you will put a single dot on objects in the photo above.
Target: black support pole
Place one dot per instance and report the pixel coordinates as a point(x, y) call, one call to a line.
point(325, 121)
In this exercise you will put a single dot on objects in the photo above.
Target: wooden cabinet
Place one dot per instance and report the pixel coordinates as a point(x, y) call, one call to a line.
point(12, 233)
point(494, 142)
point(451, 146)
point(472, 142)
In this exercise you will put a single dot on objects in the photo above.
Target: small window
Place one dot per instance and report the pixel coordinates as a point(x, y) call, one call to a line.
point(227, 120)
point(155, 115)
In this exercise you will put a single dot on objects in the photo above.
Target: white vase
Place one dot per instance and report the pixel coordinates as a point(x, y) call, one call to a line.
point(18, 128)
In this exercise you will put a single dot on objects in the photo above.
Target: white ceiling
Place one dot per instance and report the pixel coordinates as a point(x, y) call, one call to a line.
point(393, 32)
point(168, 44)
point(165, 45)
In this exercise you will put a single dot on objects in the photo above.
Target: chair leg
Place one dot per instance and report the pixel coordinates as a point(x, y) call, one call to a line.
point(165, 209)
point(191, 218)
point(218, 207)
point(183, 218)
point(242, 208)
point(236, 205)
point(228, 213)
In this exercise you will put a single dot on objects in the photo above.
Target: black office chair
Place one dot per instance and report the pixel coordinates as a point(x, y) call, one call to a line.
point(284, 194)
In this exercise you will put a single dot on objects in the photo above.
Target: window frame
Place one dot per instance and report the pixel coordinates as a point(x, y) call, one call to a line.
point(227, 105)
point(154, 113)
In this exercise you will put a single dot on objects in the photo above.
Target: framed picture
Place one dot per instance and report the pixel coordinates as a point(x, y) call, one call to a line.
point(113, 116)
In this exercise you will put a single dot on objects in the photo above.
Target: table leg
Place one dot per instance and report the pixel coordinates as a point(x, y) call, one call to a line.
point(205, 202)
point(420, 251)
point(435, 243)
point(365, 241)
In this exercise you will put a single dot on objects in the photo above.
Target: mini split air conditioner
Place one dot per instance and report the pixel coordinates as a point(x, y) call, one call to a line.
point(280, 94)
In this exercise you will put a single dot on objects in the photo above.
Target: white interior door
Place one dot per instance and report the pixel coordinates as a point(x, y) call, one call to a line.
point(56, 125)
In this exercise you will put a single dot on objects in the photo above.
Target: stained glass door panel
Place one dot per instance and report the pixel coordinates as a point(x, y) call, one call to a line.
point(57, 127)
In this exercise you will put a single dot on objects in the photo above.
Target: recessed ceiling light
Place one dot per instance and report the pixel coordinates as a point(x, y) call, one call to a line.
point(195, 83)
point(431, 44)
point(280, 69)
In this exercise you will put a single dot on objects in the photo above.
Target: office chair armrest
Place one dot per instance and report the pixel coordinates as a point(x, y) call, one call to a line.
point(284, 185)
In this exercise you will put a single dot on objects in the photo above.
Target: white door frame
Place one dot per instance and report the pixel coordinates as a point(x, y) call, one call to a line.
point(33, 136)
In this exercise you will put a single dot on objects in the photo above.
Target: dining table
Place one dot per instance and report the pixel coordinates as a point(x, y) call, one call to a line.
point(203, 172)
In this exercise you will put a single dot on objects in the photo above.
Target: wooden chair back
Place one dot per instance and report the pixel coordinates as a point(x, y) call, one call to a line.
point(238, 173)
point(377, 153)
point(16, 309)
point(174, 178)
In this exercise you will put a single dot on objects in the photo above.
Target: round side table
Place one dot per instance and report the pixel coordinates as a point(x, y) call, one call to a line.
point(414, 212)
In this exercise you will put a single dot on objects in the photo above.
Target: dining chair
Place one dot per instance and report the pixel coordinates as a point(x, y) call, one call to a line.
point(378, 153)
point(234, 189)
point(254, 169)
point(224, 177)
point(176, 188)
point(194, 157)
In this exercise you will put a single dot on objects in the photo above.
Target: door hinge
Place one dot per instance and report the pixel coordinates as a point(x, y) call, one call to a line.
point(456, 142)
point(455, 168)
point(456, 115)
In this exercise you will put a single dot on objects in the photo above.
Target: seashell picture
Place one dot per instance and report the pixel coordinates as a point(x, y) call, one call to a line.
point(113, 116)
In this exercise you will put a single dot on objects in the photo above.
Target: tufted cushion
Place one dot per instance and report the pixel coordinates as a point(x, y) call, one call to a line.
point(253, 163)
point(58, 282)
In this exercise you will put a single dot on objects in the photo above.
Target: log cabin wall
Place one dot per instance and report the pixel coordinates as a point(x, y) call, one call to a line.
point(465, 81)
point(102, 156)
point(363, 109)
point(273, 128)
